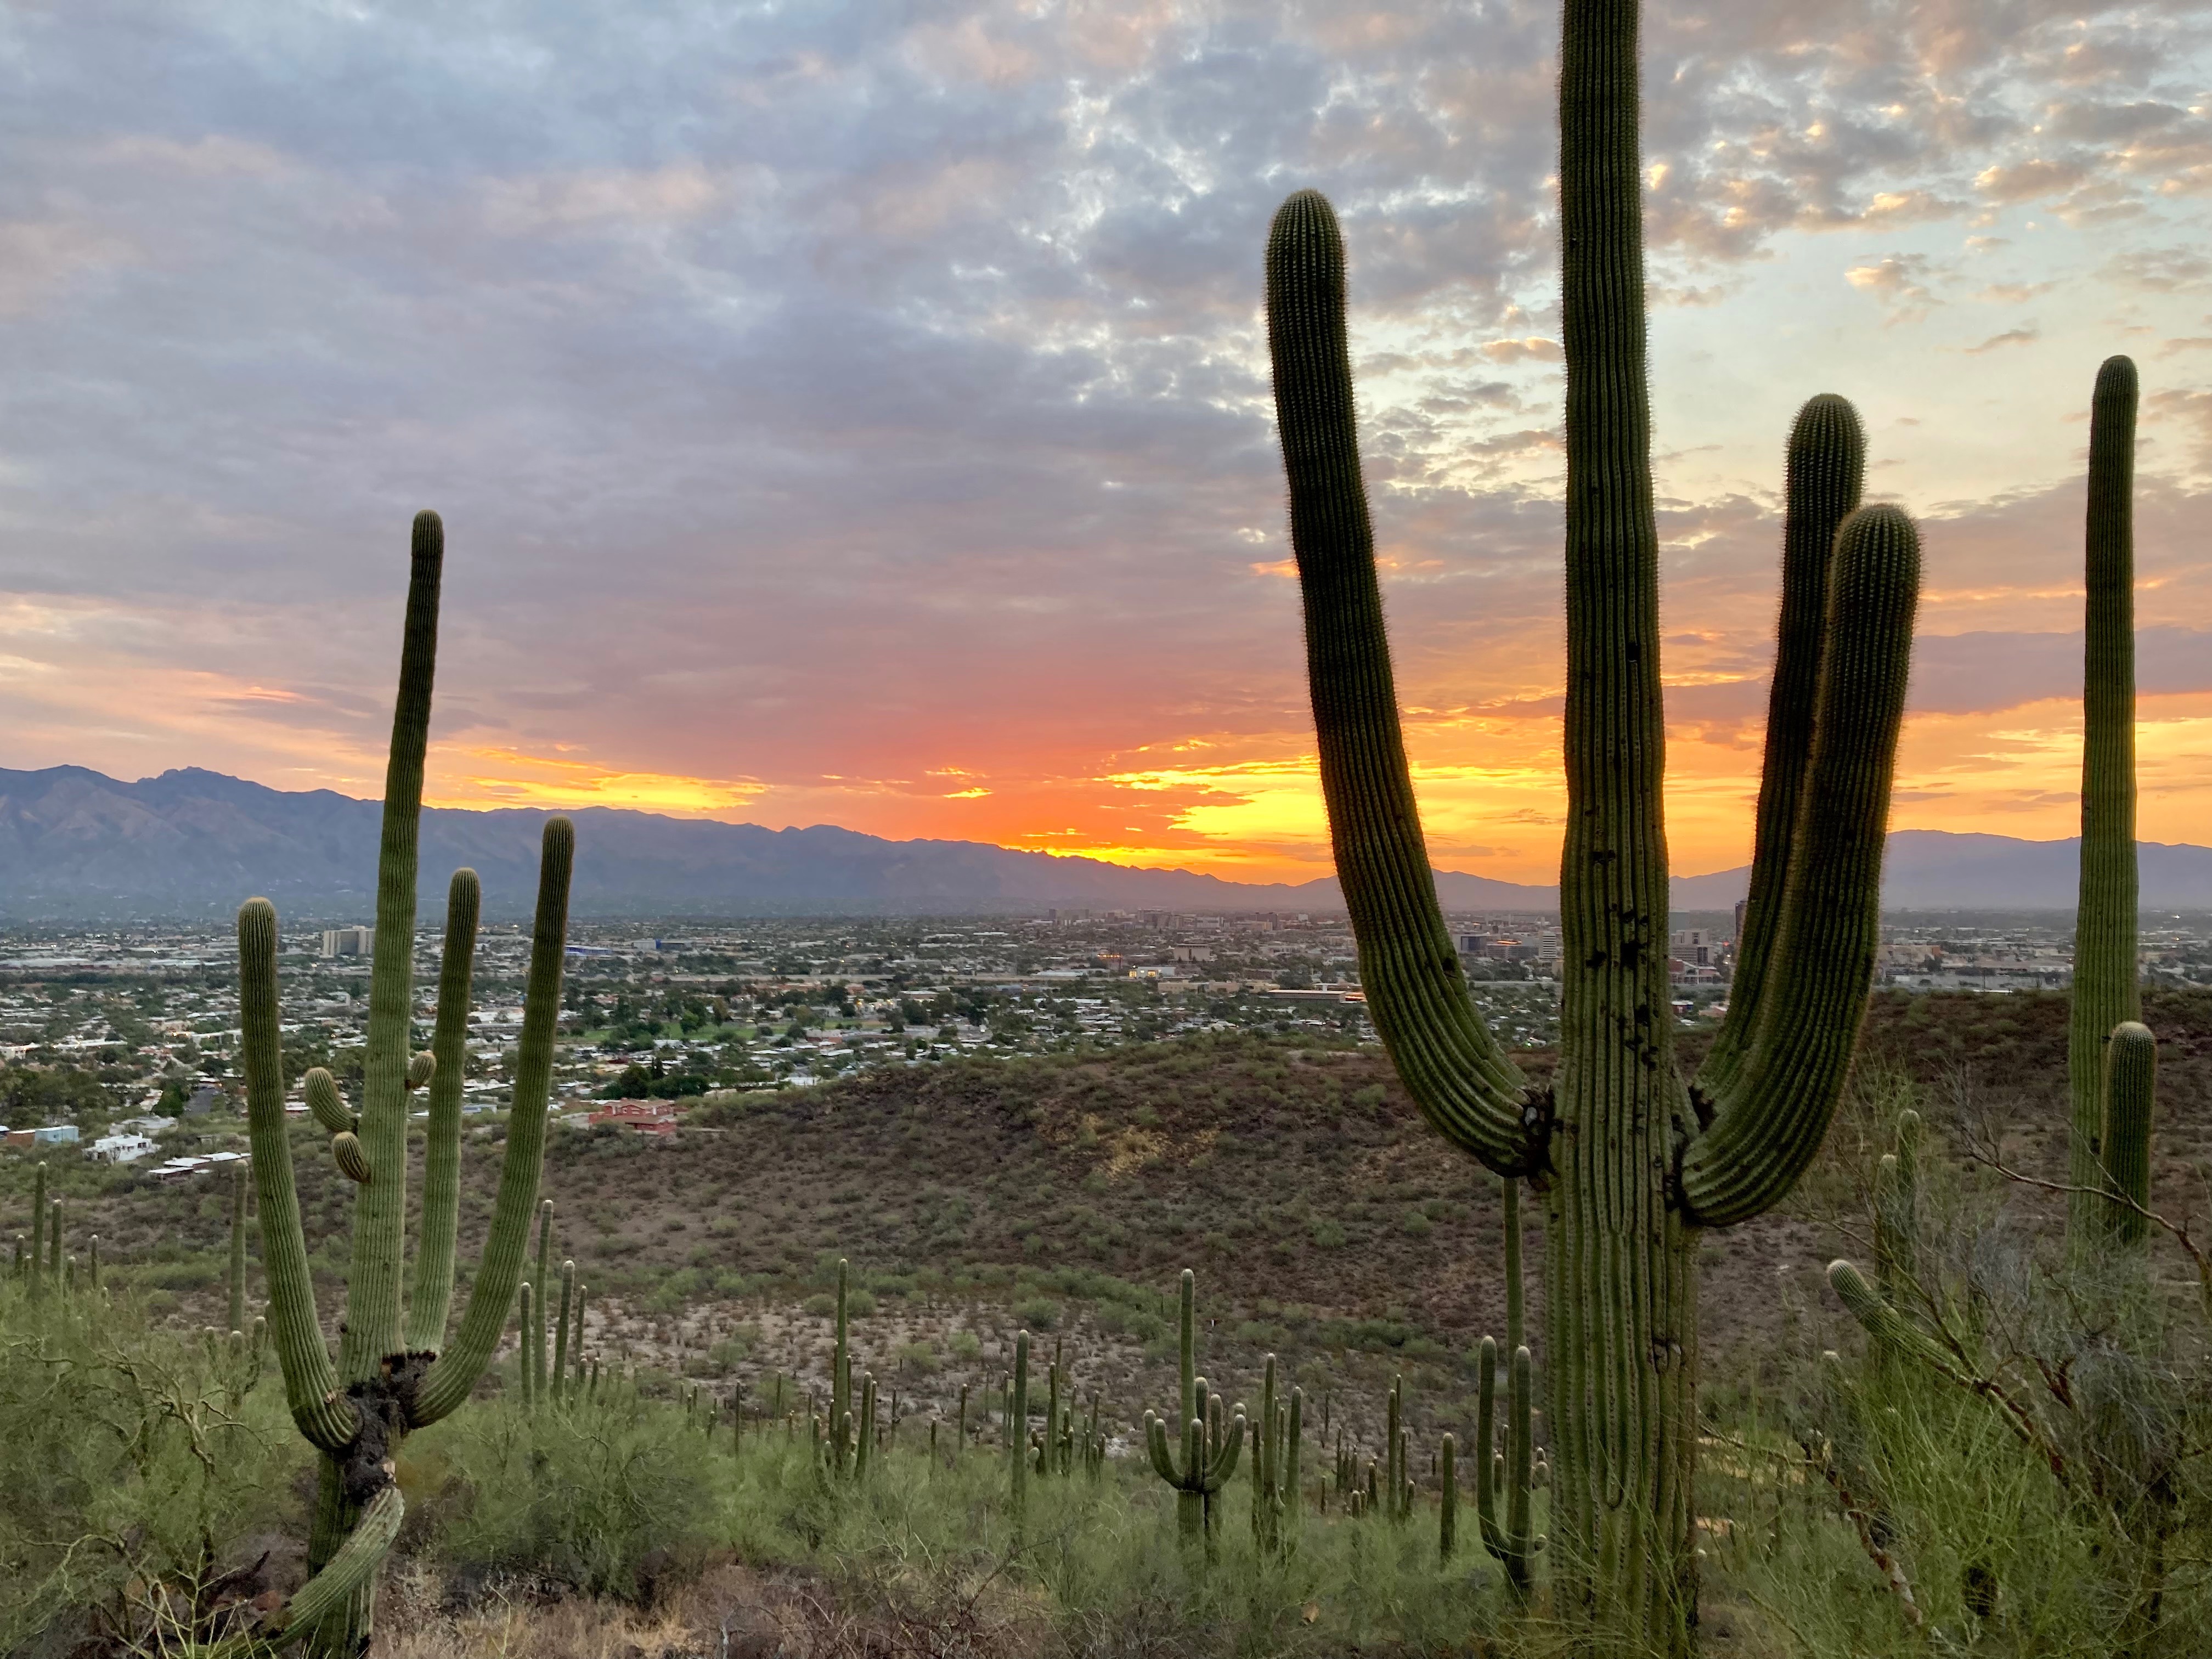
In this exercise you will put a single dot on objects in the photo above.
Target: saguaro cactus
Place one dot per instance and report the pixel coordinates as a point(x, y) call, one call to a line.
point(840, 1370)
point(1209, 1454)
point(1018, 1428)
point(237, 1250)
point(1632, 1158)
point(561, 1332)
point(1897, 1210)
point(1276, 1439)
point(356, 1412)
point(541, 1302)
point(2106, 995)
point(1503, 1481)
point(37, 1277)
point(1397, 1450)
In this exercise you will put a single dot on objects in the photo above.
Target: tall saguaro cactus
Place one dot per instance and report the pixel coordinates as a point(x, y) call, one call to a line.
point(1632, 1159)
point(384, 1385)
point(1209, 1454)
point(2107, 994)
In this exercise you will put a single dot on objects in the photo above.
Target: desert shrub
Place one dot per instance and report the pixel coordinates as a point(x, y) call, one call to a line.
point(605, 1500)
point(133, 1463)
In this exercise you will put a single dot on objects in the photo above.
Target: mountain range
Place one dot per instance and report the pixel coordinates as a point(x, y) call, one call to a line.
point(76, 844)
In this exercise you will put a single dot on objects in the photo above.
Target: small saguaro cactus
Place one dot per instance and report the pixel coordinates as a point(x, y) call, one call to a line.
point(561, 1332)
point(36, 1278)
point(1447, 1500)
point(1633, 1158)
point(1397, 1474)
point(526, 1378)
point(238, 1250)
point(1276, 1438)
point(1094, 1443)
point(1503, 1481)
point(1896, 1211)
point(541, 1303)
point(840, 1370)
point(864, 1428)
point(2104, 1207)
point(395, 1371)
point(1209, 1454)
point(1018, 1427)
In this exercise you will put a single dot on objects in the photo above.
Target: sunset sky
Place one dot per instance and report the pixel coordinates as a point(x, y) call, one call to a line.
point(857, 413)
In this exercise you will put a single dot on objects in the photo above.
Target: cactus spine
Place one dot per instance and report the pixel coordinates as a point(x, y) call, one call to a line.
point(356, 1412)
point(1209, 1454)
point(1636, 1159)
point(237, 1250)
point(2106, 995)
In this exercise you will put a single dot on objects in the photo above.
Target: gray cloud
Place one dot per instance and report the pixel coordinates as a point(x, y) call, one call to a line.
point(882, 366)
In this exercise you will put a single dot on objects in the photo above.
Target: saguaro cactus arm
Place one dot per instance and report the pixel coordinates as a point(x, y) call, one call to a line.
point(372, 1284)
point(324, 1415)
point(1775, 1108)
point(455, 1370)
point(1416, 991)
point(2106, 991)
point(2129, 1089)
point(431, 1301)
point(1824, 468)
point(1886, 1326)
point(342, 1576)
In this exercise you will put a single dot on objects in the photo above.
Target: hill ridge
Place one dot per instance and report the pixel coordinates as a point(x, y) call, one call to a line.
point(76, 843)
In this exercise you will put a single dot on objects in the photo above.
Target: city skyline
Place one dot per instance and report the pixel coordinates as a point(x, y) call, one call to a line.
point(873, 429)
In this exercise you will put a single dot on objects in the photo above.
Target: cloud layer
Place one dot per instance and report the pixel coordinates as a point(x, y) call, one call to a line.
point(858, 414)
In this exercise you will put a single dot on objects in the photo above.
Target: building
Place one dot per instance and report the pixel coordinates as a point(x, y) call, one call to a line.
point(1697, 947)
point(651, 1117)
point(119, 1149)
point(47, 1134)
point(348, 941)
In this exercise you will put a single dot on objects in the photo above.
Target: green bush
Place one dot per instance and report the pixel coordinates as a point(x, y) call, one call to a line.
point(134, 1464)
point(603, 1500)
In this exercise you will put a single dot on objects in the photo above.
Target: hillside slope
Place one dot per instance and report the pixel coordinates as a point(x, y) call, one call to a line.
point(1319, 1213)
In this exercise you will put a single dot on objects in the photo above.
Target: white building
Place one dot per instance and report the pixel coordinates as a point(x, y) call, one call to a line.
point(120, 1149)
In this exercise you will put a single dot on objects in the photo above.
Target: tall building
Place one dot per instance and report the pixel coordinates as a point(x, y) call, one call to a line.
point(348, 941)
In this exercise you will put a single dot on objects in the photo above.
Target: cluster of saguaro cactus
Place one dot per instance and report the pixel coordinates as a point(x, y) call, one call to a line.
point(396, 1371)
point(2110, 1056)
point(1397, 1454)
point(1276, 1442)
point(1635, 1158)
point(554, 1378)
point(38, 1260)
point(1210, 1446)
point(1504, 1480)
point(40, 1265)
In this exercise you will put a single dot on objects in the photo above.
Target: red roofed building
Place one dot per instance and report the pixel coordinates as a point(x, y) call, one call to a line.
point(653, 1117)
